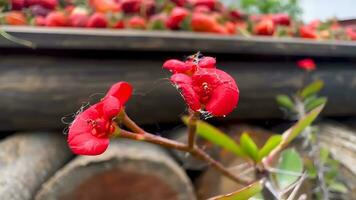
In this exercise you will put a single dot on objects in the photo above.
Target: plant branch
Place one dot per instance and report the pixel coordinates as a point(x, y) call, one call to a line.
point(195, 151)
point(130, 124)
point(192, 129)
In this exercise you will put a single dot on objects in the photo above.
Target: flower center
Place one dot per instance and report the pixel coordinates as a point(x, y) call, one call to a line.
point(205, 92)
point(101, 128)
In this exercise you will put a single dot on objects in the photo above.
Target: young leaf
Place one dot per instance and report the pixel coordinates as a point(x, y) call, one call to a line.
point(338, 187)
point(296, 129)
point(312, 88)
point(315, 103)
point(244, 193)
point(271, 143)
point(249, 146)
point(285, 101)
point(291, 163)
point(216, 136)
point(258, 196)
point(324, 154)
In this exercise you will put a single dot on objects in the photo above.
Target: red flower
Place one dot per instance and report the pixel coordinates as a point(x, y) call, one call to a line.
point(204, 88)
point(307, 64)
point(90, 131)
point(265, 27)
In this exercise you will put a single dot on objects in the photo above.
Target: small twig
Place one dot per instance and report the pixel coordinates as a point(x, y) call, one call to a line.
point(130, 124)
point(296, 188)
point(196, 152)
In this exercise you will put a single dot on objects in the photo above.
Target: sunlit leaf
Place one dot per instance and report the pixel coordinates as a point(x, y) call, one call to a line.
point(312, 88)
point(290, 164)
point(296, 129)
point(216, 136)
point(244, 193)
point(285, 101)
point(315, 103)
point(338, 187)
point(258, 196)
point(271, 143)
point(249, 146)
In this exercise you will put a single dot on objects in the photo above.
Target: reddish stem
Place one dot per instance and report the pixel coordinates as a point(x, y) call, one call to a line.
point(192, 128)
point(130, 124)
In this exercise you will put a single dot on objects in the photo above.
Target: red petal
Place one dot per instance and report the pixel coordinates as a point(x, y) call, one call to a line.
point(122, 91)
point(224, 91)
point(207, 62)
point(184, 84)
point(87, 144)
point(80, 139)
point(177, 66)
point(111, 107)
point(223, 100)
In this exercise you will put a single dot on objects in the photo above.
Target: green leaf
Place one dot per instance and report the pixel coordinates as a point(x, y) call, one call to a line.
point(271, 143)
point(312, 88)
point(304, 122)
point(258, 196)
point(324, 154)
point(249, 146)
point(289, 162)
point(315, 103)
point(285, 101)
point(338, 187)
point(216, 136)
point(244, 193)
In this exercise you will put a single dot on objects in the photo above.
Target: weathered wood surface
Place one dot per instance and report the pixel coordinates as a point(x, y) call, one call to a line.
point(27, 160)
point(38, 88)
point(127, 170)
point(341, 142)
point(99, 39)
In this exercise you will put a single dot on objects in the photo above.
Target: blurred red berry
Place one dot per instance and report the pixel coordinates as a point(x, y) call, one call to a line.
point(97, 20)
point(179, 2)
point(120, 24)
point(104, 6)
point(49, 4)
point(15, 18)
point(203, 23)
point(281, 19)
point(39, 21)
point(265, 27)
point(308, 32)
point(78, 18)
point(136, 22)
point(351, 33)
point(208, 3)
point(307, 64)
point(17, 4)
point(176, 17)
point(29, 3)
point(56, 18)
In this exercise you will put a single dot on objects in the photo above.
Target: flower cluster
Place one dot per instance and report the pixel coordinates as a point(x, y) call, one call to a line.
point(205, 88)
point(90, 131)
